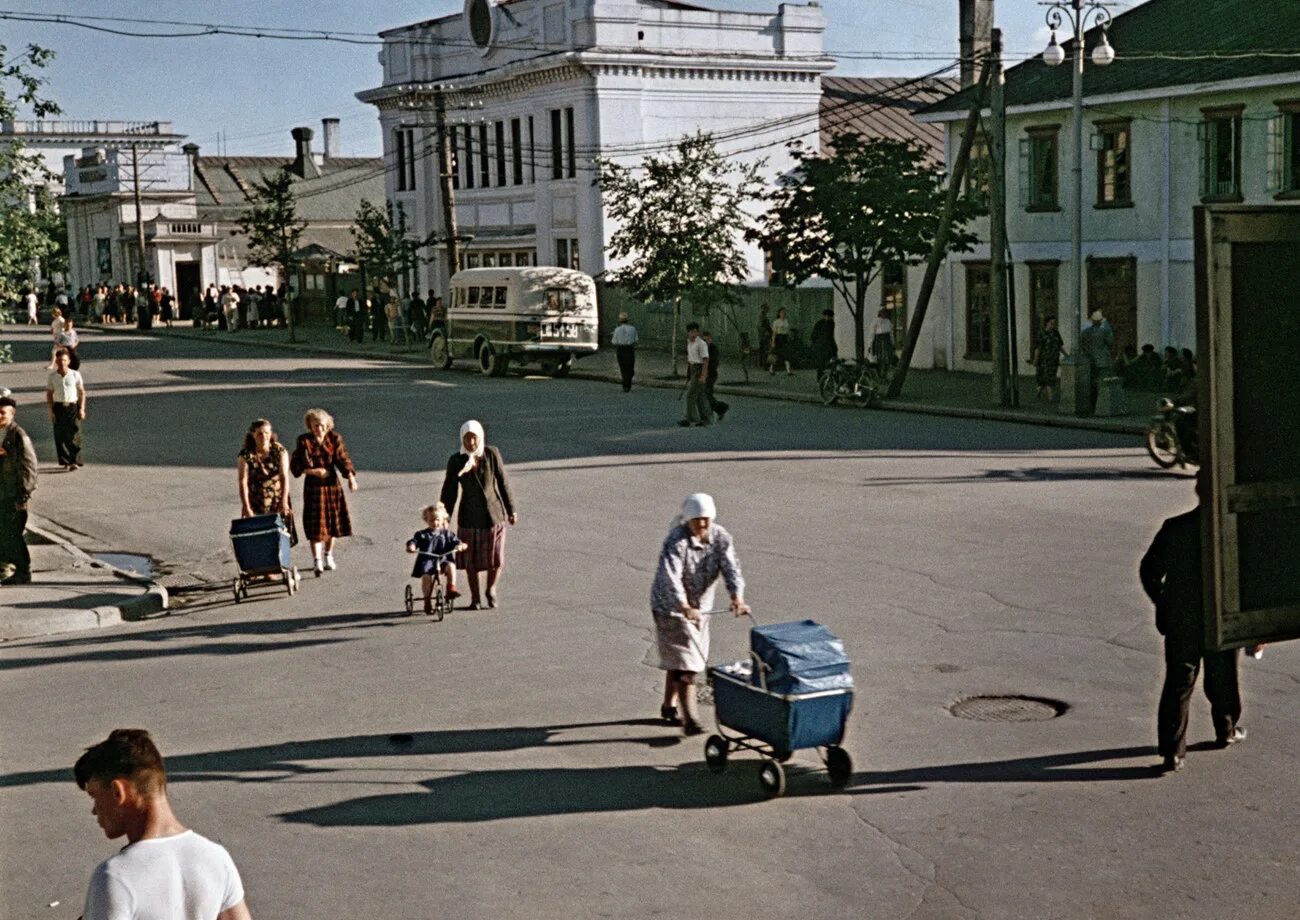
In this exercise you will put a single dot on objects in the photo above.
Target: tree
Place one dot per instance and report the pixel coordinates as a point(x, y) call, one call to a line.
point(29, 225)
point(680, 223)
point(844, 215)
point(273, 228)
point(380, 242)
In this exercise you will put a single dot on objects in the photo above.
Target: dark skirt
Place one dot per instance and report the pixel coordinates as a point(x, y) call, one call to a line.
point(485, 547)
point(324, 510)
point(1046, 373)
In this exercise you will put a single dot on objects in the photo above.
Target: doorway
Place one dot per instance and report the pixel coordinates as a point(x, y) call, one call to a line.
point(1112, 289)
point(188, 285)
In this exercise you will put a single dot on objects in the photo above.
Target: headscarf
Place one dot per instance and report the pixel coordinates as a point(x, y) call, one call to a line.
point(476, 428)
point(697, 506)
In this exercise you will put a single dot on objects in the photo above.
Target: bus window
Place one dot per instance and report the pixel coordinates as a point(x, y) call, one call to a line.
point(473, 297)
point(485, 299)
point(489, 260)
point(499, 301)
point(559, 299)
point(471, 260)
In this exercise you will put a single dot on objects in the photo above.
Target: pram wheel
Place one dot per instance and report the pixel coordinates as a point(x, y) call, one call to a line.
point(839, 765)
point(782, 756)
point(410, 601)
point(771, 777)
point(715, 753)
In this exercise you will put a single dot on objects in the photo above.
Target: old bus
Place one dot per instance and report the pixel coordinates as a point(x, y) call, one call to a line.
point(528, 315)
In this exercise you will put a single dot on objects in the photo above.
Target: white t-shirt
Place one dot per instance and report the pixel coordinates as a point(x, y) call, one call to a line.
point(183, 877)
point(697, 351)
point(64, 386)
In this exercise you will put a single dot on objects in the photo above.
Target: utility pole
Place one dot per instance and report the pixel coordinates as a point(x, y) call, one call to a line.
point(141, 274)
point(997, 141)
point(940, 248)
point(445, 166)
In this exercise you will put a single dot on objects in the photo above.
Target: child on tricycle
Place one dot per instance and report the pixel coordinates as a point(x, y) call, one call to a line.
point(434, 548)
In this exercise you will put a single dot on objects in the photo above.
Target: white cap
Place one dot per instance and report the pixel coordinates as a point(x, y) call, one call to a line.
point(699, 505)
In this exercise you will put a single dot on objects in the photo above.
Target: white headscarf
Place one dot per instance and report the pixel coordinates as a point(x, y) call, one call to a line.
point(476, 428)
point(697, 506)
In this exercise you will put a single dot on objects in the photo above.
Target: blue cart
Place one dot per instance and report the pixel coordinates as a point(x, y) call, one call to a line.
point(262, 553)
point(794, 692)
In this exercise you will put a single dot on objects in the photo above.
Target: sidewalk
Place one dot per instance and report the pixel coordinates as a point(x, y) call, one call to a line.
point(72, 591)
point(951, 393)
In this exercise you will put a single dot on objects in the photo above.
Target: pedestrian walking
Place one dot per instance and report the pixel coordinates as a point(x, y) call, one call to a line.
point(230, 308)
point(822, 340)
point(341, 313)
point(882, 340)
point(378, 318)
point(65, 394)
point(1095, 344)
point(698, 411)
point(416, 313)
point(1046, 358)
point(32, 307)
point(262, 468)
point(437, 313)
point(355, 310)
point(320, 456)
point(624, 339)
point(1171, 576)
point(716, 406)
point(779, 351)
point(17, 483)
point(696, 552)
point(476, 477)
point(165, 870)
point(433, 548)
point(99, 303)
point(396, 323)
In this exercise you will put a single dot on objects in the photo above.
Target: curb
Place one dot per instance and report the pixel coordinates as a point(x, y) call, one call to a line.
point(152, 602)
point(988, 415)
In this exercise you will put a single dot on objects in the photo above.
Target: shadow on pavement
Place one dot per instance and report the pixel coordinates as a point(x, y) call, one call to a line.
point(135, 654)
point(1050, 768)
point(1032, 474)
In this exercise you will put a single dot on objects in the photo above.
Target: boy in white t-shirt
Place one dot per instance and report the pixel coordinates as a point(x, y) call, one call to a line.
point(165, 871)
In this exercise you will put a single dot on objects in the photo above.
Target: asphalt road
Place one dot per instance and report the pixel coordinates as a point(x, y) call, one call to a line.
point(505, 763)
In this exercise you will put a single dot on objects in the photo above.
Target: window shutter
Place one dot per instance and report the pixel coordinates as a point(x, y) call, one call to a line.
point(1276, 154)
point(1026, 173)
point(1206, 138)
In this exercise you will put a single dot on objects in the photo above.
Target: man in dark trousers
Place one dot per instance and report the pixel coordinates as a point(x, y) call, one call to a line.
point(624, 339)
point(711, 378)
point(355, 311)
point(17, 482)
point(1171, 576)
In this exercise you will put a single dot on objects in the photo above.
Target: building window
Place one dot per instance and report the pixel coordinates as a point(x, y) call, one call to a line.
point(563, 157)
point(404, 146)
point(1113, 184)
point(979, 320)
point(979, 169)
point(454, 165)
point(516, 152)
point(1038, 169)
point(532, 152)
point(484, 157)
point(1284, 150)
point(1044, 297)
point(893, 297)
point(1220, 137)
point(501, 153)
point(566, 253)
point(469, 157)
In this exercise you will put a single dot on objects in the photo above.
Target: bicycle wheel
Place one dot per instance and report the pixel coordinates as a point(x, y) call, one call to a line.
point(830, 388)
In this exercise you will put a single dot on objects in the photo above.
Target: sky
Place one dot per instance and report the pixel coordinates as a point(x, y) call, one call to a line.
point(253, 90)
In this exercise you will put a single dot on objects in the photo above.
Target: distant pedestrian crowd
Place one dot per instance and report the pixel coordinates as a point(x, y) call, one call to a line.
point(388, 317)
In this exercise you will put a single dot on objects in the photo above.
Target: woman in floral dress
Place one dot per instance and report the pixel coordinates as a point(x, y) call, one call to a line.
point(263, 470)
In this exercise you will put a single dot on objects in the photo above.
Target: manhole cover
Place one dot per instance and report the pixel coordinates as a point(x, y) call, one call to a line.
point(1008, 708)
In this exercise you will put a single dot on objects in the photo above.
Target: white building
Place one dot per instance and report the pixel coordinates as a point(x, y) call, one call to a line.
point(1165, 131)
point(535, 90)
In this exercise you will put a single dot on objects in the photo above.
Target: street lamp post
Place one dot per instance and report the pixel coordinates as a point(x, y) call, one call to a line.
point(1080, 14)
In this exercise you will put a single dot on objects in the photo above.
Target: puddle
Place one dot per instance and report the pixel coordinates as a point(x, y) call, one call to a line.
point(141, 566)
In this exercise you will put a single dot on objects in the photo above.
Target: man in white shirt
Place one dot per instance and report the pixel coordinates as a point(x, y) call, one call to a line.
point(165, 871)
point(65, 394)
point(624, 339)
point(698, 411)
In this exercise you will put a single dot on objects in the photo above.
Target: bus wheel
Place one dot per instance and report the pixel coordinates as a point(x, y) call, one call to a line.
point(562, 369)
point(489, 362)
point(439, 353)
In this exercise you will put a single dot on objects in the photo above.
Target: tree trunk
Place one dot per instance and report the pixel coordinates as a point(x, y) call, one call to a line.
point(677, 314)
point(860, 323)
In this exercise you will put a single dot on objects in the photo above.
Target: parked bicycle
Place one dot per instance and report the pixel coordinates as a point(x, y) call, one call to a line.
point(858, 382)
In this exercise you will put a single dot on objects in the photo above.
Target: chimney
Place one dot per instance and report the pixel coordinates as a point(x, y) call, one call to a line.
point(330, 136)
point(303, 164)
point(976, 32)
point(191, 151)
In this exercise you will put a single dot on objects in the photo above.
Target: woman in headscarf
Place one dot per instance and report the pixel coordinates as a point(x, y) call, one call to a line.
point(320, 455)
point(696, 551)
point(476, 475)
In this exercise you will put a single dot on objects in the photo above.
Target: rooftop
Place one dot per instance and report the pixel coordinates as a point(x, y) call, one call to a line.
point(1166, 43)
point(883, 107)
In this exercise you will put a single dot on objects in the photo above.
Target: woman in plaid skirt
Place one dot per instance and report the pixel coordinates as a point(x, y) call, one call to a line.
point(321, 456)
point(477, 477)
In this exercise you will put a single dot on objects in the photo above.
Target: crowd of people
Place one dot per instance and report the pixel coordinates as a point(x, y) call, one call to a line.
point(388, 317)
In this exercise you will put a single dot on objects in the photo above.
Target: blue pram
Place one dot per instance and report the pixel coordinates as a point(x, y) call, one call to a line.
point(794, 692)
point(261, 546)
